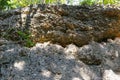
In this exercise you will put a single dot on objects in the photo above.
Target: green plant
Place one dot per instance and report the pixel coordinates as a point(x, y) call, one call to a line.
point(11, 4)
point(18, 36)
point(21, 3)
point(25, 37)
point(91, 2)
point(4, 4)
point(109, 1)
point(54, 1)
point(87, 2)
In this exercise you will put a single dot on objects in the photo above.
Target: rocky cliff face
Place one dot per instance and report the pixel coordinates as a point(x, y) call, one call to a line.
point(78, 27)
point(65, 24)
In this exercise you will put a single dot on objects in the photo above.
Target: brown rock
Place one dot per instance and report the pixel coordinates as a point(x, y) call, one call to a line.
point(65, 24)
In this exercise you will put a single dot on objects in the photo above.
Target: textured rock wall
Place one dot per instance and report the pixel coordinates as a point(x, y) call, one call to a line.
point(65, 24)
point(62, 25)
point(47, 61)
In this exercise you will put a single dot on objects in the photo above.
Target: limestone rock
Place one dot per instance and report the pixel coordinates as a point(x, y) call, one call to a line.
point(63, 24)
point(70, 26)
point(46, 61)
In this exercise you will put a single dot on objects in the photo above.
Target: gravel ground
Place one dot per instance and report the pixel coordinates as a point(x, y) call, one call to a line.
point(45, 61)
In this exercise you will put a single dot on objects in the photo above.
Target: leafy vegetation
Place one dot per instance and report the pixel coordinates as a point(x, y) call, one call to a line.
point(10, 4)
point(87, 2)
point(25, 37)
point(19, 36)
point(4, 4)
point(92, 2)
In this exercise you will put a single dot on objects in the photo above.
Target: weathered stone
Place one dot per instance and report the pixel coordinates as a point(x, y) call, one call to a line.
point(65, 24)
point(47, 61)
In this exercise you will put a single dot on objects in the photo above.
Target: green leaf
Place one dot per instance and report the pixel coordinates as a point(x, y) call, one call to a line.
point(63, 1)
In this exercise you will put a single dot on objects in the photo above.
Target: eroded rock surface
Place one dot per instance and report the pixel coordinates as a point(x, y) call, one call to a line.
point(47, 61)
point(73, 26)
point(63, 24)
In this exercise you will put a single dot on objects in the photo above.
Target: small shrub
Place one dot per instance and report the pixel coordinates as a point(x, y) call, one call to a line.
point(19, 36)
point(92, 2)
point(25, 37)
point(87, 2)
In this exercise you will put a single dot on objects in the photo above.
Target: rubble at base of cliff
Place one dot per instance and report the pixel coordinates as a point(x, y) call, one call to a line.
point(46, 61)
